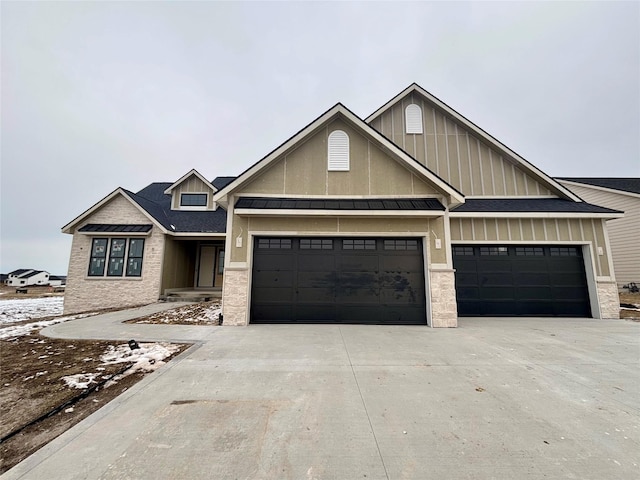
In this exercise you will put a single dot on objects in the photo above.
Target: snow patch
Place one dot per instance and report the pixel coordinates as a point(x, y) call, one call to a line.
point(21, 330)
point(18, 310)
point(80, 380)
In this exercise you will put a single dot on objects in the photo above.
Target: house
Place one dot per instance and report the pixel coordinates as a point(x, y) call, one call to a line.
point(620, 194)
point(413, 215)
point(25, 277)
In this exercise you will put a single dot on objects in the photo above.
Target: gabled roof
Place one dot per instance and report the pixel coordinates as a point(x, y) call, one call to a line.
point(187, 175)
point(339, 109)
point(33, 273)
point(20, 271)
point(221, 182)
point(532, 205)
point(620, 184)
point(537, 173)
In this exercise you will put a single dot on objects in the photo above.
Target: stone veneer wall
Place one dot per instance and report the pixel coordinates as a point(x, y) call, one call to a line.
point(235, 306)
point(609, 299)
point(87, 293)
point(444, 309)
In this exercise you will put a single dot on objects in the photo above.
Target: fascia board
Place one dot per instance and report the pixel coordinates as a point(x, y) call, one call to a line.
point(478, 131)
point(409, 161)
point(105, 200)
point(336, 213)
point(534, 215)
point(598, 187)
point(193, 171)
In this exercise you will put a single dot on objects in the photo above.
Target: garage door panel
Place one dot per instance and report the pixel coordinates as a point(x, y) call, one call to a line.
point(533, 280)
point(341, 284)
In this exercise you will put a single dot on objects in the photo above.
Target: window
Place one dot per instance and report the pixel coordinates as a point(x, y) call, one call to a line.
point(281, 243)
point(413, 118)
point(502, 251)
point(463, 251)
point(338, 151)
point(118, 250)
point(530, 251)
point(358, 244)
point(316, 244)
point(564, 252)
point(193, 199)
point(220, 262)
point(400, 244)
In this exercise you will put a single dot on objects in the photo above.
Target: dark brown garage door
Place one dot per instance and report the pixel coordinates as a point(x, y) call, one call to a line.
point(338, 280)
point(527, 280)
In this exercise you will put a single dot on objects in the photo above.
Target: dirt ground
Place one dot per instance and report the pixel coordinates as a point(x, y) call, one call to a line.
point(632, 299)
point(9, 293)
point(31, 385)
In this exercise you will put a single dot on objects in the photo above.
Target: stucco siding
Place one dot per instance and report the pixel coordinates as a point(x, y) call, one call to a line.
point(455, 154)
point(191, 185)
point(88, 293)
point(623, 232)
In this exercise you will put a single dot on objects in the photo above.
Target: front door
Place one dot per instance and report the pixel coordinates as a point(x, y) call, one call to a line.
point(211, 266)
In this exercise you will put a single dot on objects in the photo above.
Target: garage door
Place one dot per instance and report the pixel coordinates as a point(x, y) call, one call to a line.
point(338, 280)
point(528, 280)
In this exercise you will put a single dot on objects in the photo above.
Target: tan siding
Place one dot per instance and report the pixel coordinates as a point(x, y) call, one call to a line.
point(623, 232)
point(191, 184)
point(270, 182)
point(178, 268)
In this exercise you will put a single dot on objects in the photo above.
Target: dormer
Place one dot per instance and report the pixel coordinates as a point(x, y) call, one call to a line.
point(192, 192)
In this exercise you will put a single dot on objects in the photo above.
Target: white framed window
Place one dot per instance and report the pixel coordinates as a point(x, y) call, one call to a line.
point(413, 118)
point(194, 201)
point(338, 151)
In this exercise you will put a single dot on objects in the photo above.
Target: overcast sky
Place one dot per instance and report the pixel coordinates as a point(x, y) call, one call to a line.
point(99, 95)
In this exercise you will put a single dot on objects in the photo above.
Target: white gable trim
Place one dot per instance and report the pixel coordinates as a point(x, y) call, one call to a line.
point(539, 174)
point(598, 187)
point(119, 191)
point(187, 175)
point(390, 147)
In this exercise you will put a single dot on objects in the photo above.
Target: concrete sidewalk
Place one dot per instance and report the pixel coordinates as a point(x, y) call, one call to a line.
point(495, 398)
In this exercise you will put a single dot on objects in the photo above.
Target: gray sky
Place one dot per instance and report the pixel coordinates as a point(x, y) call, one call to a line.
point(98, 95)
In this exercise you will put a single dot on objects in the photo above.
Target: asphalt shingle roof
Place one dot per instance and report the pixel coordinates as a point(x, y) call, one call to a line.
point(221, 182)
point(557, 205)
point(628, 184)
point(158, 204)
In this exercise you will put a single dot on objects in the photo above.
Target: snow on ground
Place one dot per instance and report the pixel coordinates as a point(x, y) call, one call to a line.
point(203, 313)
point(147, 358)
point(18, 310)
point(14, 331)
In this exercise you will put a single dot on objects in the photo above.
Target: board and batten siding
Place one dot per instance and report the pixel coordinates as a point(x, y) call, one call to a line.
point(535, 230)
point(455, 154)
point(191, 185)
point(623, 232)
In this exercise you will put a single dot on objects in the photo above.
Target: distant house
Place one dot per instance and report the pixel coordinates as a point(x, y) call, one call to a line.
point(25, 277)
point(619, 194)
point(412, 215)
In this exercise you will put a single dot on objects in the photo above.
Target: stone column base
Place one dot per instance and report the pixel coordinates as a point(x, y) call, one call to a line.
point(608, 299)
point(444, 309)
point(235, 297)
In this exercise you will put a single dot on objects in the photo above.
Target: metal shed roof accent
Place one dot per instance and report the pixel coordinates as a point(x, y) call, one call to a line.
point(530, 205)
point(269, 203)
point(115, 228)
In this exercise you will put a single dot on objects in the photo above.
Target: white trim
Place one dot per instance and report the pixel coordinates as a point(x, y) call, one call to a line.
point(337, 213)
point(455, 214)
point(597, 187)
point(549, 181)
point(193, 171)
point(193, 207)
point(388, 146)
point(103, 202)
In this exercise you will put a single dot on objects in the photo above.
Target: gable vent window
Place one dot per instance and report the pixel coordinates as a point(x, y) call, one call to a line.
point(413, 118)
point(338, 151)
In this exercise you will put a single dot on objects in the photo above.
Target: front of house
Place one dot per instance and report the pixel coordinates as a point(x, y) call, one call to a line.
point(411, 216)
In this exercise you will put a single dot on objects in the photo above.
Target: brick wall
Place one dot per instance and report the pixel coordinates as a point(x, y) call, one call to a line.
point(87, 293)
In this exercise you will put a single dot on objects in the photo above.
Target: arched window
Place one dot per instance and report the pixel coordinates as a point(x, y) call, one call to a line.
point(413, 118)
point(338, 151)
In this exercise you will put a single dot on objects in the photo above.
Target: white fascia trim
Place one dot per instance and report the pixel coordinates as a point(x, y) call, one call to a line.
point(105, 200)
point(193, 171)
point(534, 215)
point(197, 234)
point(597, 187)
point(392, 148)
point(478, 131)
point(336, 213)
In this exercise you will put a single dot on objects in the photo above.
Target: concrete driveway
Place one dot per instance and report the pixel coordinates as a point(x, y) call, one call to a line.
point(495, 398)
